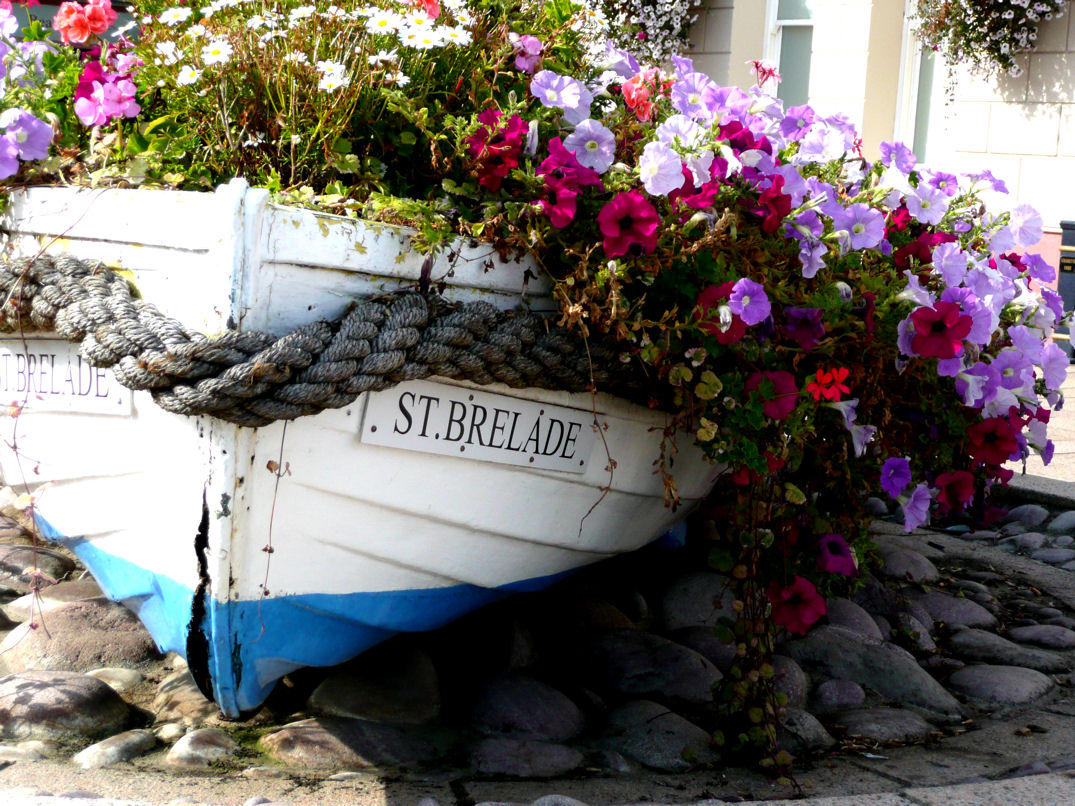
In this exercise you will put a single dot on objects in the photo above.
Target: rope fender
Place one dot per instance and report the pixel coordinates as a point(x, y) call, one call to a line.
point(252, 378)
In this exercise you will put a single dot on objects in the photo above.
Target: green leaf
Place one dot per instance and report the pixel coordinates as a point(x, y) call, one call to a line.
point(793, 495)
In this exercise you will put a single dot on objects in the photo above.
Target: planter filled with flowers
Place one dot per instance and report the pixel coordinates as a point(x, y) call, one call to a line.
point(692, 285)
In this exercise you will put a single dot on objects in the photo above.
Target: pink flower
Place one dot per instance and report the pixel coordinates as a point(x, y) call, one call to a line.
point(71, 23)
point(956, 489)
point(107, 101)
point(797, 606)
point(629, 223)
point(99, 16)
point(497, 148)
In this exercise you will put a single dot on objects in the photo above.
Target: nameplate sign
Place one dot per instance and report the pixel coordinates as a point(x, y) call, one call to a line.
point(471, 424)
point(49, 375)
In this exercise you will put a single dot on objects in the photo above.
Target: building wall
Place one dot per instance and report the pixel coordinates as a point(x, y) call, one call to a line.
point(711, 39)
point(1022, 129)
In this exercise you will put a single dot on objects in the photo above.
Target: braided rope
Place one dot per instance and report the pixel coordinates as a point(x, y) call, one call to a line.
point(253, 379)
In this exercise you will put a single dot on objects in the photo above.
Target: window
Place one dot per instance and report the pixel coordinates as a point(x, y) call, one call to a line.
point(790, 47)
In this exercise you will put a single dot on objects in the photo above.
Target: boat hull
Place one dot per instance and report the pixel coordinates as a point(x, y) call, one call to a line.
point(256, 551)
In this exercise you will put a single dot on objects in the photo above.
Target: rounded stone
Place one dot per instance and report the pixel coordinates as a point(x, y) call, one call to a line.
point(179, 699)
point(916, 632)
point(1064, 523)
point(1064, 541)
point(116, 749)
point(48, 704)
point(202, 747)
point(885, 725)
point(904, 564)
point(845, 613)
point(801, 732)
point(121, 680)
point(18, 565)
point(524, 758)
point(337, 742)
point(1050, 636)
point(1001, 685)
point(698, 599)
point(839, 694)
point(391, 683)
point(1027, 541)
point(657, 738)
point(77, 637)
point(1031, 515)
point(633, 663)
point(987, 647)
point(1053, 556)
point(525, 708)
point(876, 507)
point(955, 611)
point(48, 599)
point(790, 680)
point(705, 642)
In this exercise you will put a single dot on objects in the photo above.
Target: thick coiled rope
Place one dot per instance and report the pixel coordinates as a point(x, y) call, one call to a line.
point(253, 378)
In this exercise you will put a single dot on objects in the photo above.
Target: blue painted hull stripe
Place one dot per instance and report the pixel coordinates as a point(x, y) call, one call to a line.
point(252, 644)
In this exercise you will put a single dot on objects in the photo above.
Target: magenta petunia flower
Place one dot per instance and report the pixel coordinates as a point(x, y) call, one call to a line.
point(780, 403)
point(629, 225)
point(749, 301)
point(527, 51)
point(804, 326)
point(955, 489)
point(796, 607)
point(939, 331)
point(835, 556)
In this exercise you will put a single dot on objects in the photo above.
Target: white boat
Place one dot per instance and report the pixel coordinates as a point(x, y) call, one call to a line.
point(374, 528)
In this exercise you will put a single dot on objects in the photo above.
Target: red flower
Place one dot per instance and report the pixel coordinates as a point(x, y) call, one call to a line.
point(709, 300)
point(785, 395)
point(829, 385)
point(629, 223)
point(773, 205)
point(956, 489)
point(992, 440)
point(921, 248)
point(940, 330)
point(496, 149)
point(636, 94)
point(796, 607)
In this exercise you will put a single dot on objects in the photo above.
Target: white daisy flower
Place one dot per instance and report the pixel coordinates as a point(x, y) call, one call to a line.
point(300, 13)
point(296, 57)
point(174, 16)
point(382, 57)
point(399, 78)
point(195, 31)
point(329, 66)
point(383, 22)
point(217, 51)
point(456, 35)
point(330, 82)
point(417, 19)
point(187, 76)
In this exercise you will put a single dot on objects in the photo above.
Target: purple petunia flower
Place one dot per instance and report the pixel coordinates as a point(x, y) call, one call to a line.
point(797, 122)
point(865, 226)
point(1016, 372)
point(561, 92)
point(593, 144)
point(847, 409)
point(9, 156)
point(916, 508)
point(978, 385)
point(749, 302)
point(898, 154)
point(620, 61)
point(812, 257)
point(688, 95)
point(1026, 225)
point(895, 475)
point(1038, 268)
point(927, 205)
point(31, 135)
point(804, 325)
point(1054, 365)
point(951, 261)
point(987, 176)
point(946, 183)
point(660, 169)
